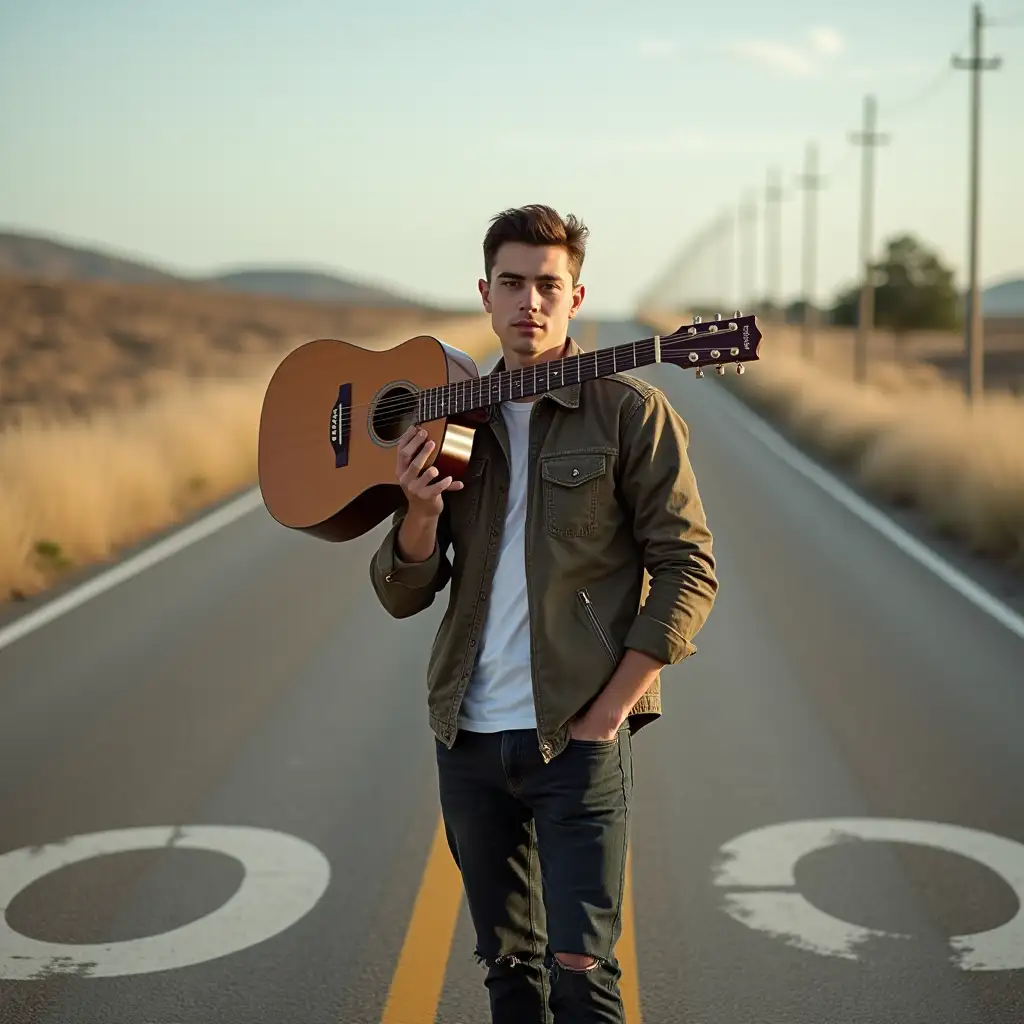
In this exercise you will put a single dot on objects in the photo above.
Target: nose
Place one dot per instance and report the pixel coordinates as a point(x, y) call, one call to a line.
point(530, 302)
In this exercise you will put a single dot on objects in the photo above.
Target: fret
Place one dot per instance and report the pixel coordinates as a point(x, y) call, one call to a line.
point(510, 385)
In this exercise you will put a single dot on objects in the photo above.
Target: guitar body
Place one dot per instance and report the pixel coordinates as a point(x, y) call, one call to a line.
point(333, 413)
point(332, 416)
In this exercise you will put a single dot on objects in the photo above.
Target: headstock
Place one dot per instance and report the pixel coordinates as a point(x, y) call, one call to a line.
point(735, 339)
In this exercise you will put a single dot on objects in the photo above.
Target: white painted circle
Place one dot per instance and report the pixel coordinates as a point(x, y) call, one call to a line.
point(767, 857)
point(284, 878)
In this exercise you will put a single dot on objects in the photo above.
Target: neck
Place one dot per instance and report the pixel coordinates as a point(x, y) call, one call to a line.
point(523, 382)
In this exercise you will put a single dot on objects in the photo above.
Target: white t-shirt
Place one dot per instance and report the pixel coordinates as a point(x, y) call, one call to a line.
point(500, 692)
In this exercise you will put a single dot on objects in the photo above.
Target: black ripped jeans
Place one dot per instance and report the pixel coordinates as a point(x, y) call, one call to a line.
point(542, 852)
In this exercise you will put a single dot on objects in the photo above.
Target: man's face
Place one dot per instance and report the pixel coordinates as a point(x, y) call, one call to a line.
point(531, 300)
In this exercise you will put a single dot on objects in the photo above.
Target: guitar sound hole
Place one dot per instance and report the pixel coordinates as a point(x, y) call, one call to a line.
point(394, 412)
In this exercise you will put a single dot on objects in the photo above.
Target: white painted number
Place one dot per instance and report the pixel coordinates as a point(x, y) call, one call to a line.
point(284, 878)
point(765, 859)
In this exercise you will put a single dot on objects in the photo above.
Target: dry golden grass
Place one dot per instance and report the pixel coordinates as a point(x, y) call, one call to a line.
point(76, 489)
point(907, 434)
point(71, 347)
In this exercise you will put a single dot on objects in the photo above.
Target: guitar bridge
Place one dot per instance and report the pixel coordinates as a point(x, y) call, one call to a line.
point(341, 425)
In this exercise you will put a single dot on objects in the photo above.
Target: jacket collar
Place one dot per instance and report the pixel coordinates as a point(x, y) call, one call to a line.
point(568, 396)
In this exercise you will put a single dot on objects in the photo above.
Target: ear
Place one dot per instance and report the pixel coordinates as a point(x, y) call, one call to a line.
point(577, 300)
point(485, 293)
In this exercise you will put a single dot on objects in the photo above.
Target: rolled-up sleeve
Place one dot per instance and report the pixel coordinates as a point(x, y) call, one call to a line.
point(670, 526)
point(405, 588)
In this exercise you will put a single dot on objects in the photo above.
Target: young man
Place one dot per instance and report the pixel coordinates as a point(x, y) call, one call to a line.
point(545, 664)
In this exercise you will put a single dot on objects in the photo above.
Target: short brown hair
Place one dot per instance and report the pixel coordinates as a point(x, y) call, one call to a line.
point(537, 224)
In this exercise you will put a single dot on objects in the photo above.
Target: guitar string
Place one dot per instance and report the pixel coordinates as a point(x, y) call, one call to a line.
point(418, 401)
point(500, 381)
point(421, 401)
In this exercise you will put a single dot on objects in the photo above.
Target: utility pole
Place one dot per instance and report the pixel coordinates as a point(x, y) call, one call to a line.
point(773, 242)
point(810, 181)
point(726, 244)
point(868, 138)
point(747, 251)
point(974, 327)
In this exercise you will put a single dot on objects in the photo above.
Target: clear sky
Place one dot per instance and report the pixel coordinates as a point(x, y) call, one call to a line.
point(376, 139)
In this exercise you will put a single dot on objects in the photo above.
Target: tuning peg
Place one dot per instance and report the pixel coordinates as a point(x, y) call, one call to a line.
point(697, 320)
point(740, 368)
point(700, 371)
point(737, 313)
point(720, 370)
point(718, 316)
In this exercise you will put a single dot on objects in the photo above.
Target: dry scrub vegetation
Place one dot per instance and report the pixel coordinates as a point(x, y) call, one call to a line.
point(908, 434)
point(125, 408)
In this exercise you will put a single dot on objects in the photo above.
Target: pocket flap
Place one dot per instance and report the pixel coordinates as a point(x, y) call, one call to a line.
point(573, 470)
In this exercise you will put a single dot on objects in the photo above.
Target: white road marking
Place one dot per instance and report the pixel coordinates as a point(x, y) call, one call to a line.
point(104, 581)
point(766, 857)
point(284, 879)
point(963, 584)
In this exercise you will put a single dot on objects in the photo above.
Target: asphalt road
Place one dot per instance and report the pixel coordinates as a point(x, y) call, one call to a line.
point(251, 682)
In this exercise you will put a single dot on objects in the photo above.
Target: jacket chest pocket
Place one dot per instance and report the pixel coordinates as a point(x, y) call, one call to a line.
point(572, 488)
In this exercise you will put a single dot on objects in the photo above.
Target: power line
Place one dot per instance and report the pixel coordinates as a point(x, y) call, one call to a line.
point(974, 340)
point(1011, 20)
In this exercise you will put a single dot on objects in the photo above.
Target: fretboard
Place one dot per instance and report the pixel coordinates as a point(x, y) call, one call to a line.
point(506, 385)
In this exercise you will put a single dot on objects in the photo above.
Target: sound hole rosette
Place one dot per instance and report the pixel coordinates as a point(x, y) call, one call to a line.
point(392, 410)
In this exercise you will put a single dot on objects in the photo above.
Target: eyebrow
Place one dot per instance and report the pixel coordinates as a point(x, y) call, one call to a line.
point(510, 276)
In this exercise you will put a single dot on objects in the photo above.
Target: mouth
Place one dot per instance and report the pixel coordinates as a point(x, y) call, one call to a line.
point(527, 325)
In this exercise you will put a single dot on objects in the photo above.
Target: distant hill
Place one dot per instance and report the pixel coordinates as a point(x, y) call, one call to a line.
point(1004, 299)
point(38, 256)
point(42, 257)
point(306, 284)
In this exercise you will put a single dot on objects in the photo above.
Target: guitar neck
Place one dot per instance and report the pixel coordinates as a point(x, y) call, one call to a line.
point(506, 385)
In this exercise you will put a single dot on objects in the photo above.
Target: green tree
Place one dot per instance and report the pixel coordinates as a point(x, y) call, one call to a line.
point(914, 290)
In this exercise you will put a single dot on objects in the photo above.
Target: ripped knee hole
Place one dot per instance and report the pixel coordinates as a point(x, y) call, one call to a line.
point(576, 962)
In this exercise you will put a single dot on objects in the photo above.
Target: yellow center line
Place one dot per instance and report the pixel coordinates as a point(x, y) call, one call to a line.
point(419, 975)
point(418, 982)
point(629, 984)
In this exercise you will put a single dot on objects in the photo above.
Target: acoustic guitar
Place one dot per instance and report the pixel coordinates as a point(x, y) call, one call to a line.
point(333, 413)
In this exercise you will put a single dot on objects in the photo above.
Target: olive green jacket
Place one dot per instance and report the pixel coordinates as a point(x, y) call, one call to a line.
point(611, 492)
